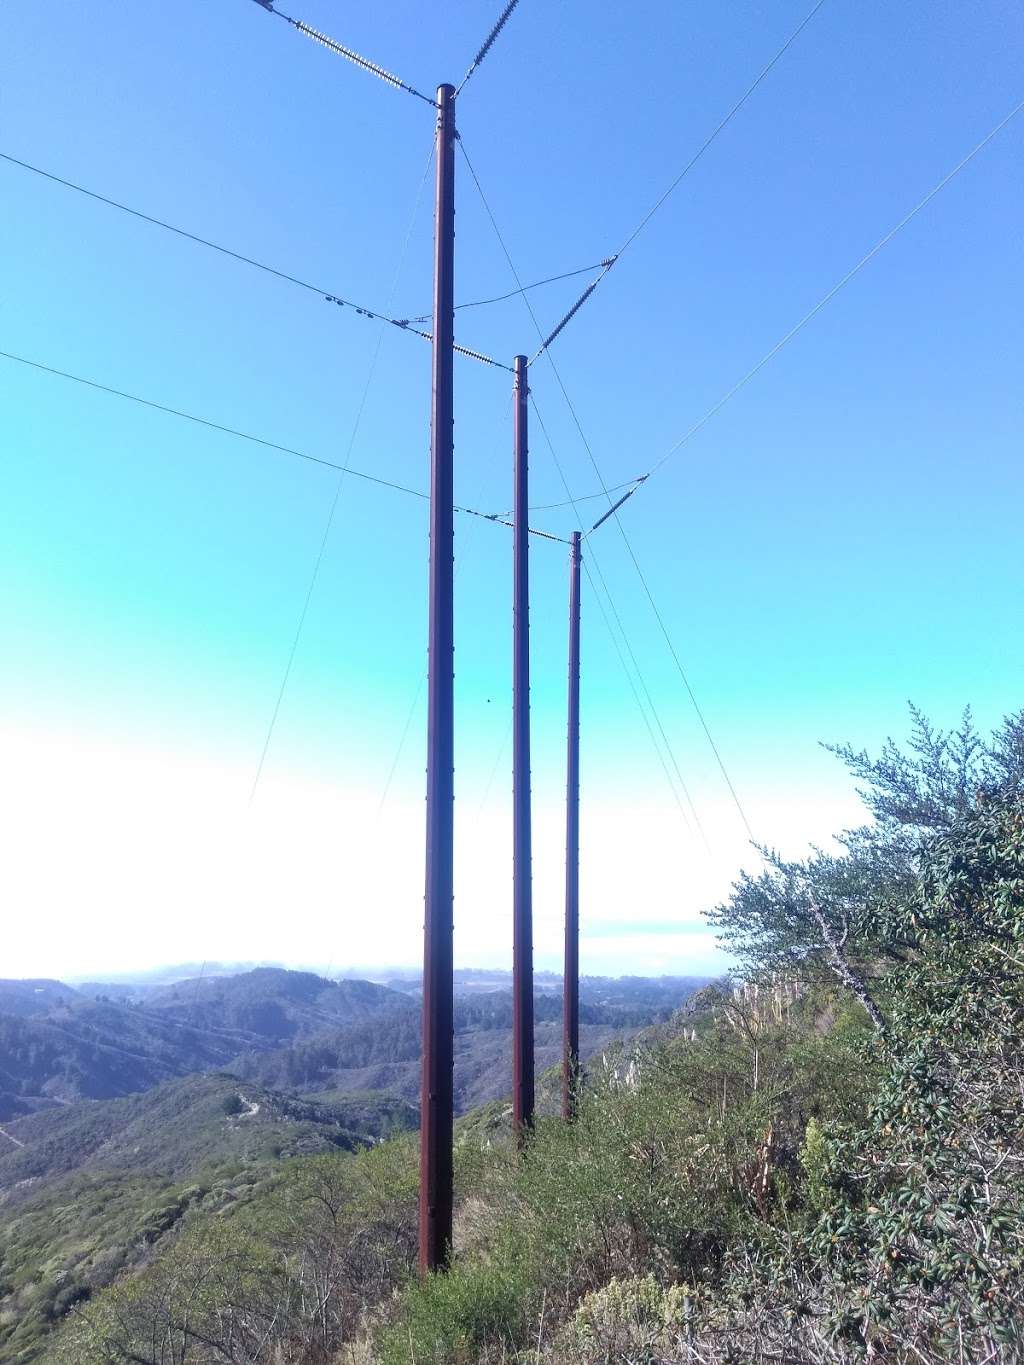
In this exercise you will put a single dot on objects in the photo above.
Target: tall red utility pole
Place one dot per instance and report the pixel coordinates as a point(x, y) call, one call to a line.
point(436, 1096)
point(522, 876)
point(571, 984)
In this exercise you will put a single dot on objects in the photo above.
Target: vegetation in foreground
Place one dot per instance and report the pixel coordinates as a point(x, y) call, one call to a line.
point(830, 1171)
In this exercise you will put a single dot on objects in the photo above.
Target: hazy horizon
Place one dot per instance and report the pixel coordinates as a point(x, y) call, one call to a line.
point(186, 970)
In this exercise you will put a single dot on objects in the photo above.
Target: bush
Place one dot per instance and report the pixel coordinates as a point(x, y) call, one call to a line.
point(448, 1319)
point(634, 1319)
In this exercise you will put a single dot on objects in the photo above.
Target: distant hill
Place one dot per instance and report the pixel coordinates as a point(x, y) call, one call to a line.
point(383, 1051)
point(385, 1056)
point(71, 1046)
point(172, 1130)
point(291, 1031)
point(31, 997)
point(96, 1050)
point(273, 1003)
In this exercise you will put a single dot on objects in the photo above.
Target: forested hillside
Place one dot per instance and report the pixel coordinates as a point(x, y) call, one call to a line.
point(89, 1190)
point(107, 1141)
point(72, 1046)
point(824, 1166)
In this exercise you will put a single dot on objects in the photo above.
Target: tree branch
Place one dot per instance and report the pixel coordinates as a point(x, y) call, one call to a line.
point(841, 966)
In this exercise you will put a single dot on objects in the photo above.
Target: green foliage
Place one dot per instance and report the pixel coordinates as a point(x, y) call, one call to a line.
point(940, 779)
point(813, 1158)
point(675, 1156)
point(99, 1188)
point(916, 1249)
point(447, 1319)
point(842, 916)
point(288, 1275)
point(633, 1319)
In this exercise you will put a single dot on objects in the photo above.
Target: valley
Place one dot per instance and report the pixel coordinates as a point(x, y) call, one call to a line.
point(128, 1110)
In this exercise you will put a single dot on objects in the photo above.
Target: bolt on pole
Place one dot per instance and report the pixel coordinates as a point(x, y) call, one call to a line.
point(522, 883)
point(436, 1097)
point(571, 983)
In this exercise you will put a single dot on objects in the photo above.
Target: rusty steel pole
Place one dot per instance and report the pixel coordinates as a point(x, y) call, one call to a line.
point(522, 877)
point(436, 1096)
point(571, 983)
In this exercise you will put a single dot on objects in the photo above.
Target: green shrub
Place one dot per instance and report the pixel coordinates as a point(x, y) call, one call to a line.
point(447, 1319)
point(633, 1319)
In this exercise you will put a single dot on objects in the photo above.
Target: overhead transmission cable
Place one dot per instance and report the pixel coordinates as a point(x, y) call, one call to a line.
point(586, 443)
point(569, 493)
point(403, 324)
point(515, 274)
point(314, 576)
point(841, 284)
point(376, 70)
point(719, 128)
point(635, 662)
point(514, 293)
point(749, 375)
point(631, 484)
point(639, 704)
point(350, 470)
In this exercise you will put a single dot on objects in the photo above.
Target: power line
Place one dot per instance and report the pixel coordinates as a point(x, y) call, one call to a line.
point(583, 497)
point(401, 745)
point(827, 298)
point(260, 440)
point(340, 483)
point(214, 426)
point(750, 374)
point(194, 237)
point(488, 42)
point(639, 704)
point(720, 128)
point(632, 655)
point(711, 138)
point(533, 316)
point(686, 682)
point(340, 50)
point(403, 324)
point(622, 531)
point(586, 497)
point(494, 769)
point(561, 473)
point(514, 293)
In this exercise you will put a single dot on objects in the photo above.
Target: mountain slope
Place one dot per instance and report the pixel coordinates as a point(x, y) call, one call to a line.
point(385, 1056)
point(73, 1047)
point(96, 1186)
point(169, 1131)
point(274, 1004)
point(33, 996)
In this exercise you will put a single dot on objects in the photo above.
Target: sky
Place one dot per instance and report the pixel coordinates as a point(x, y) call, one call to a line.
point(841, 536)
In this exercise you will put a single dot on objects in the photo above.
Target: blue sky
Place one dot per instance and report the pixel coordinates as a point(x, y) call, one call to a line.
point(843, 535)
